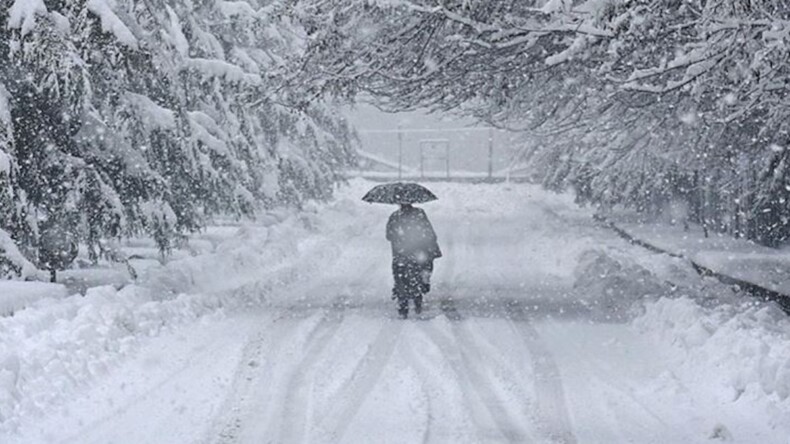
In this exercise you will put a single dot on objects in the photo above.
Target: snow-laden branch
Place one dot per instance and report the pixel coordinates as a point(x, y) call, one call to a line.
point(111, 23)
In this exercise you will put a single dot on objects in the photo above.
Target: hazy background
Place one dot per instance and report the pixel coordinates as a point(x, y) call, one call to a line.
point(468, 142)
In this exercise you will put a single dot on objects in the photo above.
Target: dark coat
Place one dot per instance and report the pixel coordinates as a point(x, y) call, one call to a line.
point(412, 236)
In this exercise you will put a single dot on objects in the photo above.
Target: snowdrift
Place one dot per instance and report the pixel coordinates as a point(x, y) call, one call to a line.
point(60, 343)
point(735, 346)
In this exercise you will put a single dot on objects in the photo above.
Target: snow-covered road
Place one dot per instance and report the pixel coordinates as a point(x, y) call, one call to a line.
point(507, 350)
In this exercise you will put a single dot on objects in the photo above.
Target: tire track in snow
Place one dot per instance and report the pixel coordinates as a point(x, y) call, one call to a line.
point(288, 423)
point(481, 401)
point(552, 412)
point(197, 358)
point(475, 385)
point(227, 429)
point(413, 359)
point(228, 426)
point(637, 411)
point(296, 405)
point(364, 378)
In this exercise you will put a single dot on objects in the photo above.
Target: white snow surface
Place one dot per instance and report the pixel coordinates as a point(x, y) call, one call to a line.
point(737, 258)
point(16, 295)
point(540, 327)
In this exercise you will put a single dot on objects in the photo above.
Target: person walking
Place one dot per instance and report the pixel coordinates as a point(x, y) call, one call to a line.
point(414, 245)
point(414, 248)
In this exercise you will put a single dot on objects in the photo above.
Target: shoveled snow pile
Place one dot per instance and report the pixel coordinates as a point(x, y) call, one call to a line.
point(743, 351)
point(729, 345)
point(15, 295)
point(55, 346)
point(608, 285)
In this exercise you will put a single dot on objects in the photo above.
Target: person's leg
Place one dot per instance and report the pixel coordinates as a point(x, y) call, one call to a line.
point(400, 291)
point(425, 275)
point(396, 279)
point(414, 280)
point(403, 307)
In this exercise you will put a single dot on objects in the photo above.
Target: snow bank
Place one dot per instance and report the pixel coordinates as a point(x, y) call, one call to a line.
point(748, 346)
point(602, 282)
point(53, 347)
point(725, 343)
point(58, 345)
point(15, 295)
point(280, 249)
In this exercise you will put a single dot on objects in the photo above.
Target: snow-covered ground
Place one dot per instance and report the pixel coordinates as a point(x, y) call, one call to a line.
point(541, 327)
point(738, 258)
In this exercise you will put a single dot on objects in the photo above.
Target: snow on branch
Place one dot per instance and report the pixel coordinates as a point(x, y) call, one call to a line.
point(17, 261)
point(578, 45)
point(236, 9)
point(153, 116)
point(176, 34)
point(5, 121)
point(22, 14)
point(5, 108)
point(5, 163)
point(219, 68)
point(111, 23)
point(206, 130)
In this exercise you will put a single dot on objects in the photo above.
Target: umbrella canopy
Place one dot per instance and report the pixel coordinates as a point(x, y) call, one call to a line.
point(399, 193)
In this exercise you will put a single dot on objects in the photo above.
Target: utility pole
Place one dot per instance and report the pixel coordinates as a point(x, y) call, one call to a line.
point(400, 152)
point(447, 158)
point(422, 160)
point(490, 153)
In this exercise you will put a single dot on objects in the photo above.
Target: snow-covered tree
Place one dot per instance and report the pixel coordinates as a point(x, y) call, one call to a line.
point(133, 116)
point(634, 101)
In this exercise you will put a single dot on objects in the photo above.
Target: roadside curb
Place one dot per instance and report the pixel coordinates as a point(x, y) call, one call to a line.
point(750, 288)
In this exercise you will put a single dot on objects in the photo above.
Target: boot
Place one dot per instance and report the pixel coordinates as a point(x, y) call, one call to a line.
point(403, 308)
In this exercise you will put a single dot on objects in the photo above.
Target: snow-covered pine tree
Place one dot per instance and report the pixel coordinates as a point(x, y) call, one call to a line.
point(133, 116)
point(12, 263)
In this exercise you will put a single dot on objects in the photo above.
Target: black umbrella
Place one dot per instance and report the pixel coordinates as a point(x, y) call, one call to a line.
point(399, 193)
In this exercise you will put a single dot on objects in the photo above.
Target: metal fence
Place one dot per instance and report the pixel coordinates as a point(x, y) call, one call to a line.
point(468, 153)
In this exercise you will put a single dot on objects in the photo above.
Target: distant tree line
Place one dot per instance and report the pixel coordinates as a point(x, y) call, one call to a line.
point(126, 117)
point(635, 103)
